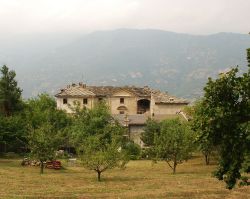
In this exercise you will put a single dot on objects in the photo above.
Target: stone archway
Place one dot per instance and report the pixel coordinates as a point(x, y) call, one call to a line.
point(143, 106)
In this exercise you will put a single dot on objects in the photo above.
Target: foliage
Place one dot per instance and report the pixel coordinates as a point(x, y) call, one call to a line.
point(97, 156)
point(225, 109)
point(43, 109)
point(98, 139)
point(48, 127)
point(89, 122)
point(246, 163)
point(43, 142)
point(13, 128)
point(13, 131)
point(199, 119)
point(248, 57)
point(10, 93)
point(174, 143)
point(151, 130)
point(133, 150)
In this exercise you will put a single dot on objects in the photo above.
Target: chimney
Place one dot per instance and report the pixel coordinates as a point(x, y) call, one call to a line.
point(82, 85)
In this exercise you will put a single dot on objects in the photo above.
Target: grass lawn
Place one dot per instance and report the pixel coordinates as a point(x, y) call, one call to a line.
point(141, 179)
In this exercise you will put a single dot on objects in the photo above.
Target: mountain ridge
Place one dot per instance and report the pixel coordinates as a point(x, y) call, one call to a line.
point(177, 62)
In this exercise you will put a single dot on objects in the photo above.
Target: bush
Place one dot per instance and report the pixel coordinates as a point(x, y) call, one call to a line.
point(147, 153)
point(133, 150)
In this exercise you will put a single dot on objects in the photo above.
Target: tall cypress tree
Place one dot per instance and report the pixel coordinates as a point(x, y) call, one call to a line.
point(10, 93)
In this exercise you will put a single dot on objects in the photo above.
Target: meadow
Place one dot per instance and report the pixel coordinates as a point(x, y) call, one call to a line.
point(140, 179)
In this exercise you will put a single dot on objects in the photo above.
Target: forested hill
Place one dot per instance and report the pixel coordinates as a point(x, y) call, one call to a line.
point(178, 63)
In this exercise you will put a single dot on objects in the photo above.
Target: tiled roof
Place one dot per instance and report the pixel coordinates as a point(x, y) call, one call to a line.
point(82, 90)
point(75, 91)
point(139, 119)
point(164, 98)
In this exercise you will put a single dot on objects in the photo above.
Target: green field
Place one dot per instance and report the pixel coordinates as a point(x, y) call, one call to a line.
point(141, 179)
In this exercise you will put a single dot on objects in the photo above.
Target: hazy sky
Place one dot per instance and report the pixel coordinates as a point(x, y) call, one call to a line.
point(188, 16)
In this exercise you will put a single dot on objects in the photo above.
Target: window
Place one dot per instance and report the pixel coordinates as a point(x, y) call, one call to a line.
point(121, 100)
point(100, 99)
point(85, 101)
point(65, 101)
point(122, 112)
point(171, 99)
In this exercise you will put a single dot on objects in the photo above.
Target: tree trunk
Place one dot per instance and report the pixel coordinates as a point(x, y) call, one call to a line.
point(174, 167)
point(99, 176)
point(41, 167)
point(207, 159)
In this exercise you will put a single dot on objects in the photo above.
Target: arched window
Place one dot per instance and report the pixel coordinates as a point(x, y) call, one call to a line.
point(122, 109)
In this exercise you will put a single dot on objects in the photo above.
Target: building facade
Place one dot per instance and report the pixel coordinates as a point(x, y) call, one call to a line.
point(134, 104)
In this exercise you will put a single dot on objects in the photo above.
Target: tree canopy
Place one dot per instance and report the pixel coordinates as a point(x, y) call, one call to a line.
point(204, 143)
point(151, 130)
point(98, 139)
point(10, 93)
point(47, 127)
point(174, 143)
point(224, 119)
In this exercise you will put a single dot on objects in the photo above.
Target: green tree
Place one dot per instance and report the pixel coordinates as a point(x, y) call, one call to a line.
point(48, 127)
point(133, 150)
point(13, 124)
point(43, 143)
point(226, 107)
point(199, 119)
point(174, 144)
point(10, 93)
point(13, 133)
point(248, 57)
point(151, 130)
point(99, 156)
point(42, 109)
point(98, 139)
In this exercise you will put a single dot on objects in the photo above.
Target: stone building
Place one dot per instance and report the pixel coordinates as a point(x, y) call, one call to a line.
point(130, 105)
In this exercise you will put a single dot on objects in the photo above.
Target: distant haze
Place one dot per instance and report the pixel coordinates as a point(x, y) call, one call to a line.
point(178, 63)
point(84, 16)
point(51, 43)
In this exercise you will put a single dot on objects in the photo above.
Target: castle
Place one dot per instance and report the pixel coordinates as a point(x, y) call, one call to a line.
point(130, 105)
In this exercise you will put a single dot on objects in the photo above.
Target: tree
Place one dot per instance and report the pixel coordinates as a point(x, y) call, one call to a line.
point(248, 57)
point(199, 119)
point(98, 139)
point(42, 110)
point(43, 143)
point(226, 107)
point(10, 93)
point(99, 156)
point(174, 143)
point(47, 126)
point(13, 128)
point(13, 133)
point(133, 150)
point(151, 130)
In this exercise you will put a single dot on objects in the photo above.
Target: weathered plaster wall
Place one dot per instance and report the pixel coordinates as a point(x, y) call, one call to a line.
point(130, 103)
point(70, 103)
point(135, 134)
point(168, 109)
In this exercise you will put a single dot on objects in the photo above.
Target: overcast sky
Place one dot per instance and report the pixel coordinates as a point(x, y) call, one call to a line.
point(186, 16)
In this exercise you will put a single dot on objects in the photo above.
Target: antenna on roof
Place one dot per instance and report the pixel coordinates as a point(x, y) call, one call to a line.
point(82, 79)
